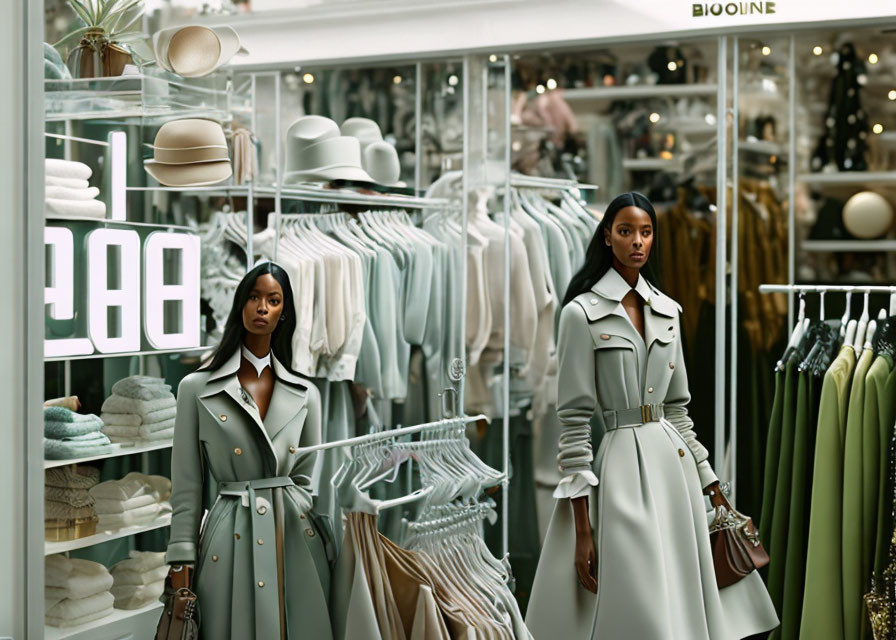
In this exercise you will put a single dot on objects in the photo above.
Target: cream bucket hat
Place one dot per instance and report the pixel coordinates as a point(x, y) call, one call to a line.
point(189, 153)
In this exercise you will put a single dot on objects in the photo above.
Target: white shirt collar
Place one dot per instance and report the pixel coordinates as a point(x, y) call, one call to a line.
point(258, 363)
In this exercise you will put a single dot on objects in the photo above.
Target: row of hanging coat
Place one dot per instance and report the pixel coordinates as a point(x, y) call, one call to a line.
point(441, 581)
point(826, 515)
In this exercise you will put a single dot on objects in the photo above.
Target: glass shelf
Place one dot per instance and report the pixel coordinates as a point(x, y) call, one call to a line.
point(105, 536)
point(98, 628)
point(120, 450)
point(153, 95)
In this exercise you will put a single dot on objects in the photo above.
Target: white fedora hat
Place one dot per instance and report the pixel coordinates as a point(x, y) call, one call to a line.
point(364, 129)
point(380, 160)
point(303, 133)
point(193, 51)
point(190, 152)
point(328, 159)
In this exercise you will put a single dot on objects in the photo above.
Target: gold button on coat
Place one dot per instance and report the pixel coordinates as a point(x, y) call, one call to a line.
point(302, 516)
point(292, 449)
point(262, 510)
point(649, 389)
point(214, 558)
point(238, 451)
point(681, 453)
point(260, 541)
point(223, 418)
point(310, 532)
point(261, 583)
point(593, 301)
point(671, 365)
point(604, 336)
point(236, 535)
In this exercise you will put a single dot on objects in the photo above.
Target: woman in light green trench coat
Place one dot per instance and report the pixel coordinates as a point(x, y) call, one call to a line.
point(259, 561)
point(627, 553)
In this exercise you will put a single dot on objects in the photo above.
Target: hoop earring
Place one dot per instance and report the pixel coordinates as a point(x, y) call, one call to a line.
point(282, 318)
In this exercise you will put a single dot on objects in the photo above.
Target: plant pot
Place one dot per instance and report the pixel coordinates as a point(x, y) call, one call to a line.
point(97, 57)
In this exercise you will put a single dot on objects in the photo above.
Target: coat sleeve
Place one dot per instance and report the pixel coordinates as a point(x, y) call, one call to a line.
point(576, 403)
point(186, 478)
point(676, 412)
point(311, 433)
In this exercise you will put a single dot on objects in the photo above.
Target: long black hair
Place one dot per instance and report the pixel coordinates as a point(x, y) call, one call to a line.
point(599, 256)
point(234, 331)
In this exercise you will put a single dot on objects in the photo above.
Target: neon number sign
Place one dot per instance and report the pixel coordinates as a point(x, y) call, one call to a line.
point(130, 299)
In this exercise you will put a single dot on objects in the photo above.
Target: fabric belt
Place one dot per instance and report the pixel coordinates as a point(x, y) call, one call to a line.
point(634, 417)
point(258, 497)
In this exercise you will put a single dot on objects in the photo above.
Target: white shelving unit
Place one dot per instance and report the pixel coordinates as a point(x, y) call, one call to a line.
point(121, 450)
point(110, 626)
point(651, 164)
point(850, 178)
point(635, 92)
point(848, 246)
point(126, 354)
point(105, 536)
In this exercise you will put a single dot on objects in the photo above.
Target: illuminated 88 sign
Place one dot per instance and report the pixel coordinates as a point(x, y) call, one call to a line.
point(139, 291)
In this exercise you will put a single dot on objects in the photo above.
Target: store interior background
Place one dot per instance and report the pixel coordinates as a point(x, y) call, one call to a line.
point(637, 114)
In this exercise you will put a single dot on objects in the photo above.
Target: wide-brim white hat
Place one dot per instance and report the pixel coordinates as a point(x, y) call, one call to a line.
point(380, 160)
point(364, 129)
point(334, 158)
point(193, 51)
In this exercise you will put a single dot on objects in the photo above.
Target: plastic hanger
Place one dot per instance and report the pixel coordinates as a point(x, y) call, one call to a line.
point(845, 319)
point(863, 325)
point(870, 330)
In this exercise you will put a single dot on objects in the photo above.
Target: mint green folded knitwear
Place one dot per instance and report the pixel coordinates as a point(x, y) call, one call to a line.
point(58, 430)
point(62, 414)
point(90, 444)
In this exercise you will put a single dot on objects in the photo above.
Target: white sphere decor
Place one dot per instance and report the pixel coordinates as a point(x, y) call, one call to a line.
point(867, 215)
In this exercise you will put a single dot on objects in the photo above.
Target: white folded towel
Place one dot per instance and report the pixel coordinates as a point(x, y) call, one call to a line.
point(68, 183)
point(134, 517)
point(146, 431)
point(131, 596)
point(155, 436)
point(142, 388)
point(141, 561)
point(135, 420)
point(123, 489)
point(67, 169)
point(80, 578)
point(150, 576)
point(120, 404)
point(111, 507)
point(77, 622)
point(64, 193)
point(79, 208)
point(72, 612)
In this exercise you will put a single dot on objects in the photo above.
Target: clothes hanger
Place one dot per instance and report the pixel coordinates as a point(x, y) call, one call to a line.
point(869, 333)
point(845, 319)
point(863, 325)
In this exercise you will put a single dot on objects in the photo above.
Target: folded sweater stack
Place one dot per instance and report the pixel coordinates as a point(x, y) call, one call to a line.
point(140, 408)
point(76, 591)
point(73, 435)
point(139, 580)
point(67, 191)
point(135, 500)
point(68, 506)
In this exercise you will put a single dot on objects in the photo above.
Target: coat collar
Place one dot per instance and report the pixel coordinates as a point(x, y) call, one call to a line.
point(232, 365)
point(613, 286)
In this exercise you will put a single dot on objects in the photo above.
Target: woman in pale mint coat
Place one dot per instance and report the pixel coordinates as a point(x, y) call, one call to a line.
point(261, 565)
point(627, 553)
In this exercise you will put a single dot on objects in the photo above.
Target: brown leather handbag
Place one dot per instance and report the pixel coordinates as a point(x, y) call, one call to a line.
point(736, 549)
point(180, 616)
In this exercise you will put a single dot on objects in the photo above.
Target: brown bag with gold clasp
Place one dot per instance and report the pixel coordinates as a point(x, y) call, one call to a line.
point(180, 616)
point(736, 549)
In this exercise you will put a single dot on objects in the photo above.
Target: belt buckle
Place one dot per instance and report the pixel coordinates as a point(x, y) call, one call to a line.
point(648, 413)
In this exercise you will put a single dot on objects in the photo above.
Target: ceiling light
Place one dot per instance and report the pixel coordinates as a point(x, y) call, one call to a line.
point(817, 50)
point(308, 78)
point(672, 66)
point(539, 89)
point(493, 58)
point(872, 58)
point(878, 128)
point(766, 50)
point(452, 80)
point(396, 80)
point(892, 94)
point(552, 84)
point(654, 117)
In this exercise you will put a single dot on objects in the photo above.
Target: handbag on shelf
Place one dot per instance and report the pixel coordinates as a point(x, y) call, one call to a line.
point(736, 549)
point(180, 616)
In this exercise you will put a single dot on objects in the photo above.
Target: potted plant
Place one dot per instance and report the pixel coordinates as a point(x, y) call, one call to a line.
point(108, 29)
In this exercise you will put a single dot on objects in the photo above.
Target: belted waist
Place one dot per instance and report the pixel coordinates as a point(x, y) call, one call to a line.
point(634, 417)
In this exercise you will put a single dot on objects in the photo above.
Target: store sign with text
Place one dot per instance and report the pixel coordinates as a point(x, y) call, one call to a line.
point(120, 289)
point(703, 9)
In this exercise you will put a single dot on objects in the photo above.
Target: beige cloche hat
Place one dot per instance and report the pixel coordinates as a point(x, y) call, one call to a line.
point(191, 152)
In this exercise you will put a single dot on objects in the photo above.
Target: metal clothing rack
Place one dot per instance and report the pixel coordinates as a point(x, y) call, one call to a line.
point(389, 434)
point(825, 288)
point(536, 182)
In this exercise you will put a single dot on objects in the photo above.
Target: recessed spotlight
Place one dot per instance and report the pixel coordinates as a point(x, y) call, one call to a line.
point(539, 89)
point(397, 80)
point(672, 66)
point(878, 128)
point(493, 58)
point(551, 84)
point(654, 117)
point(452, 80)
point(872, 58)
point(766, 50)
point(817, 50)
point(308, 78)
point(892, 94)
